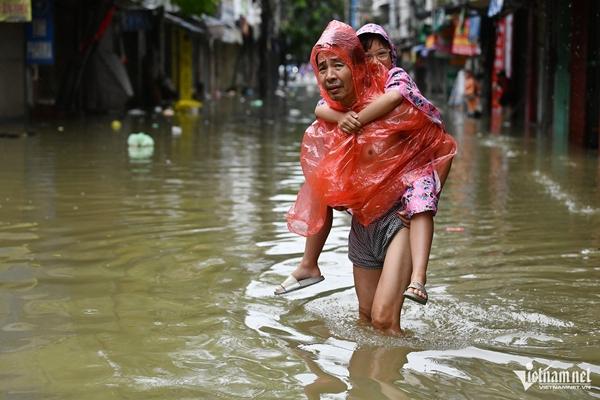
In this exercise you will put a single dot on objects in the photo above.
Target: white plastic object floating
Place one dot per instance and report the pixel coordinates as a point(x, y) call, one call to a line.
point(140, 139)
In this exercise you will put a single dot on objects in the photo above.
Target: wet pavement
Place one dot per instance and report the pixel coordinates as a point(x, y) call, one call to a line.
point(150, 275)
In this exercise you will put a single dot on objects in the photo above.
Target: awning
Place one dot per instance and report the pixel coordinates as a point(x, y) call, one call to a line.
point(480, 6)
point(149, 5)
point(221, 30)
point(182, 23)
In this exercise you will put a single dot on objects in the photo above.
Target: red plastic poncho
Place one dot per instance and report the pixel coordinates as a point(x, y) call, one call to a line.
point(366, 172)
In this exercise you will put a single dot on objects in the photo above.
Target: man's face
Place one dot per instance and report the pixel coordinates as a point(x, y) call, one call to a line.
point(336, 77)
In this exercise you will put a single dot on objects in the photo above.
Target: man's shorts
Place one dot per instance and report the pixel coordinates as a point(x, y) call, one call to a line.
point(367, 245)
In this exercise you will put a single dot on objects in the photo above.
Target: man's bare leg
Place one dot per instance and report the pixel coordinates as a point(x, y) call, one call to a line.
point(365, 285)
point(388, 299)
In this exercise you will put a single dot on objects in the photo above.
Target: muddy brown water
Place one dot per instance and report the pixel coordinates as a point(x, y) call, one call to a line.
point(137, 276)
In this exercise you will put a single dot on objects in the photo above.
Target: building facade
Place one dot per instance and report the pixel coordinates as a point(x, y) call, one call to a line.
point(68, 56)
point(544, 52)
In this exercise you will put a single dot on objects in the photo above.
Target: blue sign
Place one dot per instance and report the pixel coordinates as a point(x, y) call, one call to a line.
point(40, 33)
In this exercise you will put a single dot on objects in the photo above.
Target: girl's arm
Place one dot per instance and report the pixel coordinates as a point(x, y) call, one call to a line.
point(348, 122)
point(322, 111)
point(380, 106)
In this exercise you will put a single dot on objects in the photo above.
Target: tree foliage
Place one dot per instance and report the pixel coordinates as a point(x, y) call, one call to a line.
point(196, 7)
point(304, 21)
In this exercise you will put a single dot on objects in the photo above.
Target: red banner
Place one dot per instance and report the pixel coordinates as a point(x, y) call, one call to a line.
point(496, 117)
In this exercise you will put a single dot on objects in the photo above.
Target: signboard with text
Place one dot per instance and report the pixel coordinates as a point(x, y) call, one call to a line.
point(40, 33)
point(15, 10)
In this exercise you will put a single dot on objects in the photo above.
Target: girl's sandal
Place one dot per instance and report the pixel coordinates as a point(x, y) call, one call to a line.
point(413, 296)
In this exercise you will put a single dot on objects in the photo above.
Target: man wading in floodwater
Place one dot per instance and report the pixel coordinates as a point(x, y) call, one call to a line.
point(366, 173)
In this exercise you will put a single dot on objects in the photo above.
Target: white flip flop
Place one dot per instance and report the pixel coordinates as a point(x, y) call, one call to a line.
point(291, 284)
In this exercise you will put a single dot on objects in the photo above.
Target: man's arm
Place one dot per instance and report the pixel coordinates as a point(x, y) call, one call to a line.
point(380, 106)
point(443, 171)
point(444, 168)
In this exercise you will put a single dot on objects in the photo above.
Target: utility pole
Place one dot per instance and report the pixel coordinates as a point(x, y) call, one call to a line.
point(353, 14)
point(264, 48)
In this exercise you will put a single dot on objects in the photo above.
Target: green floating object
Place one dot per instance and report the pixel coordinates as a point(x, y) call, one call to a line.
point(140, 140)
point(256, 103)
point(140, 153)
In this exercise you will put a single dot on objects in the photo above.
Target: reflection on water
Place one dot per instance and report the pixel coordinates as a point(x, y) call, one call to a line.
point(137, 277)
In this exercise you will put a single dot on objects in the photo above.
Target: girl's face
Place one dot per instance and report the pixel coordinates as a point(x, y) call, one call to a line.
point(379, 51)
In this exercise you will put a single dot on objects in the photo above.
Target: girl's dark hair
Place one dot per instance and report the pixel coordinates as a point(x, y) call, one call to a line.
point(366, 40)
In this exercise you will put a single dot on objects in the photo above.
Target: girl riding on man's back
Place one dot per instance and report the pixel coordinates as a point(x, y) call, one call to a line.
point(390, 164)
point(420, 199)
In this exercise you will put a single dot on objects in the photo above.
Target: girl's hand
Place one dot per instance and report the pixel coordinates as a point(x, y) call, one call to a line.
point(349, 123)
point(405, 220)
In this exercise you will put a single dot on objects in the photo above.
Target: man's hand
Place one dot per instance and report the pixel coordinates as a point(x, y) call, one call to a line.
point(349, 123)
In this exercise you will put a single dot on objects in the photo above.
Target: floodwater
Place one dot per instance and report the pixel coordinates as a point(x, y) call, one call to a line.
point(150, 276)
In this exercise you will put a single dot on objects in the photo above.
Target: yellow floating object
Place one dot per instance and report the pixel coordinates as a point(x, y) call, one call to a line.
point(188, 105)
point(116, 125)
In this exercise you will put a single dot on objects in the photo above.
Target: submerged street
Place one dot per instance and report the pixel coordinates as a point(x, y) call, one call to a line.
point(151, 275)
